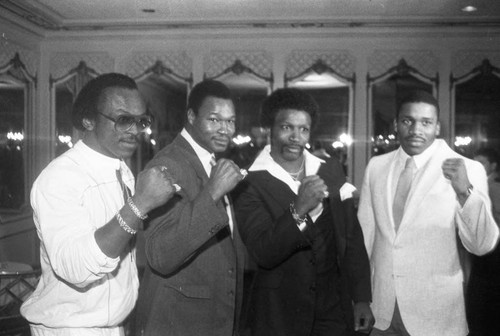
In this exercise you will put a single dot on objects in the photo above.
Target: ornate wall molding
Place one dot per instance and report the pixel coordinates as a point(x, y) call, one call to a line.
point(341, 61)
point(423, 60)
point(137, 63)
point(62, 63)
point(8, 51)
point(258, 61)
point(463, 61)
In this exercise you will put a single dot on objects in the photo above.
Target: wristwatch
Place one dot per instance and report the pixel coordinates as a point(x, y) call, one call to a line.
point(300, 221)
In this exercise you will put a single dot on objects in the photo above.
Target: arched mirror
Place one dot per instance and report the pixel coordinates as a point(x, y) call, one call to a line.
point(63, 92)
point(476, 103)
point(16, 105)
point(334, 94)
point(165, 93)
point(249, 89)
point(384, 93)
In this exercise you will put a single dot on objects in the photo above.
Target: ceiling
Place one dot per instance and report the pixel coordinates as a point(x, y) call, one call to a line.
point(84, 15)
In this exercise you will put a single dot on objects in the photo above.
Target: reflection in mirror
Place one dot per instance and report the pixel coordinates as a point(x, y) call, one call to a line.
point(165, 94)
point(16, 89)
point(248, 90)
point(63, 92)
point(476, 102)
point(385, 92)
point(334, 95)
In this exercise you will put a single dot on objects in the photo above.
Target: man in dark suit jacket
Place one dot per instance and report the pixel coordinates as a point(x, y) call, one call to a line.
point(296, 217)
point(193, 282)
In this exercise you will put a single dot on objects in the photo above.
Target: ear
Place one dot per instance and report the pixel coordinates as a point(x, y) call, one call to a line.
point(191, 116)
point(88, 124)
point(438, 128)
point(395, 124)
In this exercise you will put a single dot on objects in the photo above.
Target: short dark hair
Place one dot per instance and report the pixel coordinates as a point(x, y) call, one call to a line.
point(489, 153)
point(204, 89)
point(90, 97)
point(418, 96)
point(288, 98)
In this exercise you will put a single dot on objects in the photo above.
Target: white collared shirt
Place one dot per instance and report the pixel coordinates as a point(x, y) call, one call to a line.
point(264, 161)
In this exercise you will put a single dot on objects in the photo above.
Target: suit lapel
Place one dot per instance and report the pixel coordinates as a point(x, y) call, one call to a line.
point(191, 157)
point(426, 178)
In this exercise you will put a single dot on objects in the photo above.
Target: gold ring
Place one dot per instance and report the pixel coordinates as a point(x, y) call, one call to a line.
point(243, 172)
point(326, 194)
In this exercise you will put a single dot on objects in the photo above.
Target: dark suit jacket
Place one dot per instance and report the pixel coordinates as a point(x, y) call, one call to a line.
point(193, 283)
point(284, 256)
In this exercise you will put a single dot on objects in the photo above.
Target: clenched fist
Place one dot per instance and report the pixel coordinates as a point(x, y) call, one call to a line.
point(224, 177)
point(311, 192)
point(154, 187)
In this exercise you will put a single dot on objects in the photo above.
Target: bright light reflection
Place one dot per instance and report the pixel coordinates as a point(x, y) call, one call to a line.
point(148, 131)
point(337, 144)
point(346, 139)
point(242, 139)
point(462, 141)
point(15, 136)
point(153, 142)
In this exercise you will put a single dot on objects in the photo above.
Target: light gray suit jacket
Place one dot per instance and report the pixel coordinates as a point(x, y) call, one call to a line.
point(419, 265)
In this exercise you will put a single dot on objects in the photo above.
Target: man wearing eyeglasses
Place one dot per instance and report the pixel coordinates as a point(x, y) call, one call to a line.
point(87, 213)
point(193, 282)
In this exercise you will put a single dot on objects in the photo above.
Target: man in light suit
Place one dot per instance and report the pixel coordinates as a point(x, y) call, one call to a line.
point(416, 273)
point(193, 282)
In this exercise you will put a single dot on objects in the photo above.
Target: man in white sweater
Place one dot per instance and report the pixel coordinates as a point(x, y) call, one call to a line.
point(86, 214)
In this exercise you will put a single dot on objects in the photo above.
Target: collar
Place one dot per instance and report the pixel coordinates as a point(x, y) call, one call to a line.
point(420, 159)
point(96, 159)
point(264, 161)
point(202, 154)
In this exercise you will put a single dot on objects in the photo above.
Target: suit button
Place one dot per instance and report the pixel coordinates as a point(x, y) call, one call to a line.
point(312, 288)
point(230, 293)
point(312, 261)
point(230, 271)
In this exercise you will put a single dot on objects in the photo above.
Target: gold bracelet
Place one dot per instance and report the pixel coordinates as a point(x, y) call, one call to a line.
point(135, 209)
point(124, 225)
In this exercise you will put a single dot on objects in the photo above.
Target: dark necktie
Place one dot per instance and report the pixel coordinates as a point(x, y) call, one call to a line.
point(402, 190)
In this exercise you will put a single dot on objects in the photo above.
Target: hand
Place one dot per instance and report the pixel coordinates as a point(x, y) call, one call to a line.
point(154, 187)
point(363, 317)
point(311, 192)
point(224, 177)
point(455, 171)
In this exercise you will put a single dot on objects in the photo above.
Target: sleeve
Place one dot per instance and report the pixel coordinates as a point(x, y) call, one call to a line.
point(476, 226)
point(269, 241)
point(180, 228)
point(356, 258)
point(65, 227)
point(366, 214)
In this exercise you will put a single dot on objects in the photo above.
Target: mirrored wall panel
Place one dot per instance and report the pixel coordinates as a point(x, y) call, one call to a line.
point(384, 94)
point(165, 94)
point(16, 93)
point(249, 90)
point(334, 94)
point(63, 93)
point(476, 103)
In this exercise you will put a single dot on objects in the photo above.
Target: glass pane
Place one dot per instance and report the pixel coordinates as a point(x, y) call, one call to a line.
point(12, 98)
point(385, 97)
point(64, 126)
point(331, 136)
point(166, 100)
point(248, 94)
point(477, 114)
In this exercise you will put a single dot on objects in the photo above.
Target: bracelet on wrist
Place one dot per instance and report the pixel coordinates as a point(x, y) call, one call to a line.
point(300, 221)
point(134, 208)
point(124, 225)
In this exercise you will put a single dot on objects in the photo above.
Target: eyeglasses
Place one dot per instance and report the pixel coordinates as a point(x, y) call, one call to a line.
point(124, 122)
